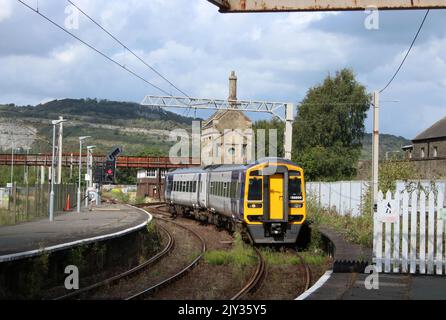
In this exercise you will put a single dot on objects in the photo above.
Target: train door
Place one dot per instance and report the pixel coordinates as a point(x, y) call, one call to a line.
point(276, 194)
point(202, 190)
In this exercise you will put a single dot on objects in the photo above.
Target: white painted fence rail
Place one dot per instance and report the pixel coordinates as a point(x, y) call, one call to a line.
point(409, 233)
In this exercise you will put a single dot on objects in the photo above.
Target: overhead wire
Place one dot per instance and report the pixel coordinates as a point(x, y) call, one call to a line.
point(407, 53)
point(95, 49)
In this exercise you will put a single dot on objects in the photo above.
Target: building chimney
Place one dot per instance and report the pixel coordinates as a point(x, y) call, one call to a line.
point(232, 87)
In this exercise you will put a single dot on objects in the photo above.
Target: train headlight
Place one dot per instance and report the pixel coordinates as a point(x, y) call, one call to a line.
point(255, 218)
point(296, 218)
point(254, 205)
point(296, 205)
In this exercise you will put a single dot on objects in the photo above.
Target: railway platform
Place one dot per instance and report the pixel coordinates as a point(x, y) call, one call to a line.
point(69, 229)
point(351, 286)
point(347, 280)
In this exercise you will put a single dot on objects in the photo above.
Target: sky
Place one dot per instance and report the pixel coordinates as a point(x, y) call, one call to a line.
point(277, 56)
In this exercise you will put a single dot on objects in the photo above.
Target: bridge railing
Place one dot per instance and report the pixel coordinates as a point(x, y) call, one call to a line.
point(122, 161)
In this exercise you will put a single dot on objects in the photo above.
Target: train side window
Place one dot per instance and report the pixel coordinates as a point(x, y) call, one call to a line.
point(255, 189)
point(295, 189)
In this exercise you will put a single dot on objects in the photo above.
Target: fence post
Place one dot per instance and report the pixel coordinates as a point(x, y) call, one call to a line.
point(405, 231)
point(431, 234)
point(388, 238)
point(14, 197)
point(422, 233)
point(377, 238)
point(440, 225)
point(396, 235)
point(413, 234)
point(27, 200)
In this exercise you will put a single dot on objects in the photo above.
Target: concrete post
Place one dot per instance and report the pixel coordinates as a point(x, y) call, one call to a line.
point(375, 154)
point(289, 118)
point(59, 162)
point(42, 174)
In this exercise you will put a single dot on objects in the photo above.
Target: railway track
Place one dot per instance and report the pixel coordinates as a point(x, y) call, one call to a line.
point(131, 272)
point(167, 249)
point(153, 288)
point(306, 272)
point(255, 279)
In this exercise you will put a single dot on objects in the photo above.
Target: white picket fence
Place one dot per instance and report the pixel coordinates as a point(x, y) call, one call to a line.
point(409, 237)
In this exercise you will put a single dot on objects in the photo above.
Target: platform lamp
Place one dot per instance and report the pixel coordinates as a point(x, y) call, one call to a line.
point(89, 173)
point(80, 170)
point(54, 123)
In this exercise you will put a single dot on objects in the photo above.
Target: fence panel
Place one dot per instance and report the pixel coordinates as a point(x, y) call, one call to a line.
point(416, 221)
point(24, 203)
point(344, 197)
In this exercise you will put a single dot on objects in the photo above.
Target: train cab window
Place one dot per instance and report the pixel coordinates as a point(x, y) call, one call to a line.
point(295, 189)
point(255, 189)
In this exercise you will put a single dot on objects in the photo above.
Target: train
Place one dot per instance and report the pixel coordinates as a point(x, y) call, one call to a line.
point(265, 200)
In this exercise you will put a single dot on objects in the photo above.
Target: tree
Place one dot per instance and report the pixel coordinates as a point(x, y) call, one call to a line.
point(266, 125)
point(329, 127)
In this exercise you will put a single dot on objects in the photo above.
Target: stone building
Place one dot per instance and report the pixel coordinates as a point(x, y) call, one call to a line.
point(429, 144)
point(226, 137)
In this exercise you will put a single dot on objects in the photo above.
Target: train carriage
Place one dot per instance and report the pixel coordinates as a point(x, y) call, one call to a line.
point(266, 198)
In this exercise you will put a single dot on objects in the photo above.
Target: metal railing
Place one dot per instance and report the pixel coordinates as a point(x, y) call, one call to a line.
point(28, 202)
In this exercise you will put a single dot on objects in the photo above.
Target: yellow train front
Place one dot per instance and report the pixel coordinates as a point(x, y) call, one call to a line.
point(274, 206)
point(265, 199)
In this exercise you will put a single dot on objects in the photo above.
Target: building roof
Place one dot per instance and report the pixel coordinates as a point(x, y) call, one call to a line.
point(219, 114)
point(437, 130)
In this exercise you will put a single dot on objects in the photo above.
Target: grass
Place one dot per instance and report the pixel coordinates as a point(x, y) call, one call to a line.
point(240, 255)
point(273, 257)
point(356, 230)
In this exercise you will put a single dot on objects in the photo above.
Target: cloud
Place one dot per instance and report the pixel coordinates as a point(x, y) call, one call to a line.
point(277, 56)
point(5, 9)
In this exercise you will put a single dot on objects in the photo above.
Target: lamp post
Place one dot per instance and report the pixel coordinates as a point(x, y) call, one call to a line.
point(89, 173)
point(80, 170)
point(25, 171)
point(54, 123)
point(12, 164)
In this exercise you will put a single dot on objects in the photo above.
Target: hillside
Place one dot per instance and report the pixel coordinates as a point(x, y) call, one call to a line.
point(110, 123)
point(387, 143)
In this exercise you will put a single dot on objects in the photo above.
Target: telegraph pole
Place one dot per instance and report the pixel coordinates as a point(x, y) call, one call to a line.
point(375, 153)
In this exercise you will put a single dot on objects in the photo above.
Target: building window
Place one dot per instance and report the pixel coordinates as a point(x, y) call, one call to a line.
point(435, 151)
point(231, 151)
point(422, 153)
point(163, 173)
point(151, 173)
point(410, 154)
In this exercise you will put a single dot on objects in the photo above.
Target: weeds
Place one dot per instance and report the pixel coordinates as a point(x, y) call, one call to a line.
point(358, 230)
point(240, 255)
